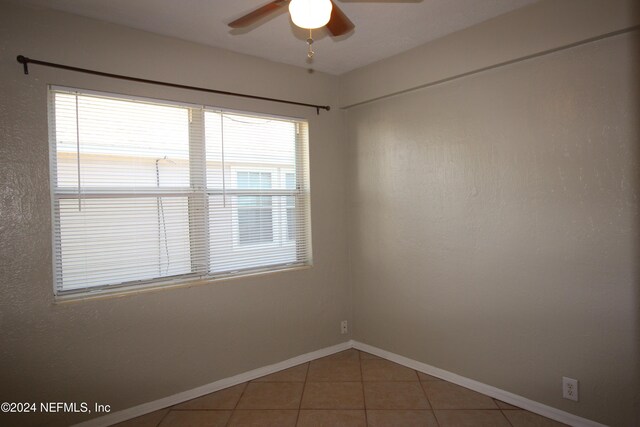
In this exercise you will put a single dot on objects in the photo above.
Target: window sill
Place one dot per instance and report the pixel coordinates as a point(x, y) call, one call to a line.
point(159, 286)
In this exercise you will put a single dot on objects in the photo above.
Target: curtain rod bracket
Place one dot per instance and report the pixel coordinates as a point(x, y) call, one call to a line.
point(26, 61)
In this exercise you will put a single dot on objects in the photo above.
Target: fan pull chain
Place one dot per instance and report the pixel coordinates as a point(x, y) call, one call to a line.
point(310, 42)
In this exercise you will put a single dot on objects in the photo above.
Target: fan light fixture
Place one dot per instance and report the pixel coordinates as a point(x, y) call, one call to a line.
point(310, 14)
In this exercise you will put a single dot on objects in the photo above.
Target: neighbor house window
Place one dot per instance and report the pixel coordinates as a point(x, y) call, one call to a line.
point(255, 213)
point(290, 184)
point(149, 192)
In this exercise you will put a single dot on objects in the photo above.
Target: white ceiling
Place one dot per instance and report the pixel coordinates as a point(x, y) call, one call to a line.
point(382, 28)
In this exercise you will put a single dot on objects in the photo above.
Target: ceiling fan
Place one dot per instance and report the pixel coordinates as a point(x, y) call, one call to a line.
point(306, 14)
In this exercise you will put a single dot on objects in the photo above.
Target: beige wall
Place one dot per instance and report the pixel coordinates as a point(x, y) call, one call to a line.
point(529, 31)
point(495, 224)
point(135, 349)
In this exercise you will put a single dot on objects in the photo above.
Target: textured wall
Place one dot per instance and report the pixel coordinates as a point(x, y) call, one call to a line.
point(495, 226)
point(530, 30)
point(130, 350)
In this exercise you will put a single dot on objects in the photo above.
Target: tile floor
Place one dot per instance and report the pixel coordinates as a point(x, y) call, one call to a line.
point(350, 388)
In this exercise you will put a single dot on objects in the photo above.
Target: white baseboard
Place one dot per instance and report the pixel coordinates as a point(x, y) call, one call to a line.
point(146, 408)
point(505, 396)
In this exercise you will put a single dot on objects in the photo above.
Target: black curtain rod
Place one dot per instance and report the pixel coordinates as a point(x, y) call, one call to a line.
point(26, 61)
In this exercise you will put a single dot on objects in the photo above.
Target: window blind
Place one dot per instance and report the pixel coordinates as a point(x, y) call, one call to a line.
point(148, 192)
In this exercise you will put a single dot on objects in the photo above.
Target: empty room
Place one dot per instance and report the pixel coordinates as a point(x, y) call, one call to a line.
point(320, 213)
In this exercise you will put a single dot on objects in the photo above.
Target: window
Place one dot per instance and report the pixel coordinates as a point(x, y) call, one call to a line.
point(255, 213)
point(149, 192)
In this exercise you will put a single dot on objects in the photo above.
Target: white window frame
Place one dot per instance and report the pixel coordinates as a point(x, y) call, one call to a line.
point(197, 153)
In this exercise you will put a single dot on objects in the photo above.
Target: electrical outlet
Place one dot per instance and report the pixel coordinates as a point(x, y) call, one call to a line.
point(344, 328)
point(570, 388)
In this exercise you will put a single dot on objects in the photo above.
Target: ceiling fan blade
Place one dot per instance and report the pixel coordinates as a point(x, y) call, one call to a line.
point(257, 14)
point(339, 24)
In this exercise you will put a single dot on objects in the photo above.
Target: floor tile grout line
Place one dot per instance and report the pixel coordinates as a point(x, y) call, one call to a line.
point(502, 411)
point(424, 390)
point(398, 409)
point(468, 409)
point(246, 385)
point(335, 381)
point(430, 404)
point(304, 387)
point(506, 418)
point(364, 399)
point(231, 410)
point(163, 417)
point(336, 409)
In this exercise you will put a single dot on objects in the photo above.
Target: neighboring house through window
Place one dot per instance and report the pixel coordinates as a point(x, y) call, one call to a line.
point(255, 213)
point(148, 192)
point(290, 184)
